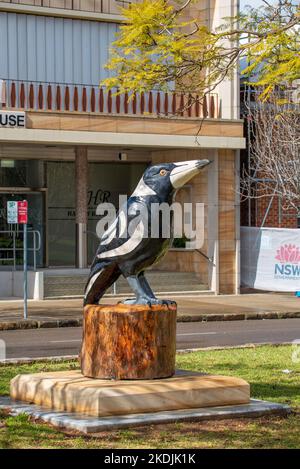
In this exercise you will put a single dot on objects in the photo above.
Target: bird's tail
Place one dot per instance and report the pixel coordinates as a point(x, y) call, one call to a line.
point(102, 276)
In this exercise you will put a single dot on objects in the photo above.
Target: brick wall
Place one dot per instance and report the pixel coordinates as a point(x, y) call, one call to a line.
point(278, 217)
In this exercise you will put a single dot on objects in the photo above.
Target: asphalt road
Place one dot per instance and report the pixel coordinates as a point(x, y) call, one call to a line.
point(66, 341)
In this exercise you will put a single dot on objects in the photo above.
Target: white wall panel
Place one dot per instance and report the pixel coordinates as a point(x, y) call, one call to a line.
point(3, 45)
point(58, 49)
point(50, 49)
point(31, 46)
point(40, 51)
point(40, 48)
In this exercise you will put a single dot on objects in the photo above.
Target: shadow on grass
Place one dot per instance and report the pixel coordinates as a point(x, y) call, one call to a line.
point(226, 367)
point(285, 393)
point(266, 432)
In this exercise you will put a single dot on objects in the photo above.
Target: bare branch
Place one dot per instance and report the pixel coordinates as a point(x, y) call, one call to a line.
point(274, 168)
point(185, 5)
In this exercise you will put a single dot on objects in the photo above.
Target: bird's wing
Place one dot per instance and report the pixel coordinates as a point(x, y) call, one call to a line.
point(125, 233)
point(99, 281)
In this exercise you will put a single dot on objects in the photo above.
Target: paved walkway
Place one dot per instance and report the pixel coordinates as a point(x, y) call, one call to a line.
point(64, 313)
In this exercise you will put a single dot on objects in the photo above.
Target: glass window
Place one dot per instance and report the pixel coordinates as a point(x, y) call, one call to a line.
point(61, 213)
point(21, 173)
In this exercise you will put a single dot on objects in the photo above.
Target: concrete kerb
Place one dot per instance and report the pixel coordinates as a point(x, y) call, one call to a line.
point(39, 324)
point(32, 324)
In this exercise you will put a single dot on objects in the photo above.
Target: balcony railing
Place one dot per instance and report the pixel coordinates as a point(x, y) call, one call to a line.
point(94, 6)
point(58, 97)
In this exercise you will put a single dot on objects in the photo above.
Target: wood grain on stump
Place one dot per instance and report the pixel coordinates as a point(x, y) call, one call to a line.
point(128, 341)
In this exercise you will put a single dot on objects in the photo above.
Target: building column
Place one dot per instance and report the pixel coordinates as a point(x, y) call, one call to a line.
point(81, 190)
point(228, 247)
point(228, 90)
point(237, 223)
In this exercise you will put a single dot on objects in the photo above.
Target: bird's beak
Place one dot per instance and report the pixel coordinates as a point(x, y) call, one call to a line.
point(185, 170)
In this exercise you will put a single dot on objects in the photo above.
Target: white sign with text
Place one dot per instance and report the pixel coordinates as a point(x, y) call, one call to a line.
point(11, 119)
point(12, 212)
point(270, 259)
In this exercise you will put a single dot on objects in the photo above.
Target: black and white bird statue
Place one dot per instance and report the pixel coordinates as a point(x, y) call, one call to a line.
point(130, 251)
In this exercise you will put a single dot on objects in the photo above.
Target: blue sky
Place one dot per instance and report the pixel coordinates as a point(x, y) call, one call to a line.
point(253, 3)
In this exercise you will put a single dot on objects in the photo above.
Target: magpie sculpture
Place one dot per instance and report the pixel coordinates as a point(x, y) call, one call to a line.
point(127, 247)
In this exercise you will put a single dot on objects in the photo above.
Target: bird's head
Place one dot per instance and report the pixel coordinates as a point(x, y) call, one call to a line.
point(165, 178)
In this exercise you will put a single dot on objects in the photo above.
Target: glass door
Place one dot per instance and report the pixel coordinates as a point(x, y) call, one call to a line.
point(11, 235)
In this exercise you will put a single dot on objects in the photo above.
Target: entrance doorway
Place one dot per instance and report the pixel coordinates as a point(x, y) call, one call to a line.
point(11, 235)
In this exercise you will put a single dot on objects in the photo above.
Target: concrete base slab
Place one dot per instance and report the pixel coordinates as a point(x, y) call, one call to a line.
point(85, 424)
point(70, 391)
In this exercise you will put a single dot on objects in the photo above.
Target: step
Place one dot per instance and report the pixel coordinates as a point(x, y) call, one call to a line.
point(73, 285)
point(121, 296)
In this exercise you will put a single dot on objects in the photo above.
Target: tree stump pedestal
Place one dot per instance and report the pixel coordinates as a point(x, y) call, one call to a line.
point(125, 342)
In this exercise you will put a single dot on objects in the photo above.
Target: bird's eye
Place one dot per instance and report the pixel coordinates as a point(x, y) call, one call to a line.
point(163, 172)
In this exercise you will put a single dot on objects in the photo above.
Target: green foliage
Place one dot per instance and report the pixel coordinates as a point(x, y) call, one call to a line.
point(157, 47)
point(272, 45)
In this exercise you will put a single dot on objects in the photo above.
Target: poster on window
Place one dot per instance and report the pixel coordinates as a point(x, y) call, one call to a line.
point(270, 259)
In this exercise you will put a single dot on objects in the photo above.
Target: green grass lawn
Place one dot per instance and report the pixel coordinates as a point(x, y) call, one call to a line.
point(262, 367)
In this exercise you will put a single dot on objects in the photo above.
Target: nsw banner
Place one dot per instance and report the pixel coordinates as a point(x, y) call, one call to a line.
point(270, 259)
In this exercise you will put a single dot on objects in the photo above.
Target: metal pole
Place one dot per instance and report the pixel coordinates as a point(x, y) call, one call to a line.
point(14, 249)
point(25, 270)
point(249, 138)
point(34, 250)
point(249, 152)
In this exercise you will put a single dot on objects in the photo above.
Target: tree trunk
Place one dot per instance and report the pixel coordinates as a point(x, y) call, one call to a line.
point(129, 341)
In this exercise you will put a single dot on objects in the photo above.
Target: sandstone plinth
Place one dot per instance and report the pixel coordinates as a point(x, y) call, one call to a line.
point(70, 391)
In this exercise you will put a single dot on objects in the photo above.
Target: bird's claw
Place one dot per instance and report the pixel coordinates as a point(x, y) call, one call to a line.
point(148, 301)
point(169, 302)
point(128, 301)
